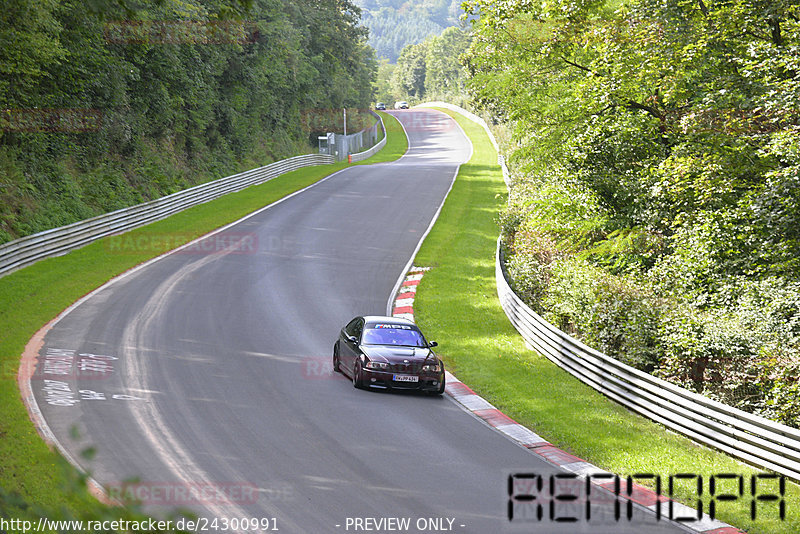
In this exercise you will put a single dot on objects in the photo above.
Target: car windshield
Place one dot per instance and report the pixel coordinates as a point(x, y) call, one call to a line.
point(393, 334)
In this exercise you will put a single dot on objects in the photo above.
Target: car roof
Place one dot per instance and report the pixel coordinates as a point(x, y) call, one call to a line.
point(386, 319)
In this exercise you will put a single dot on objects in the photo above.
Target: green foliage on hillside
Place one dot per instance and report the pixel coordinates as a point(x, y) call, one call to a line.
point(431, 70)
point(395, 24)
point(110, 103)
point(656, 202)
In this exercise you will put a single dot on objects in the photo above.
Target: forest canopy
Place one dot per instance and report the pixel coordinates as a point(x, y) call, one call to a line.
point(104, 104)
point(395, 24)
point(429, 70)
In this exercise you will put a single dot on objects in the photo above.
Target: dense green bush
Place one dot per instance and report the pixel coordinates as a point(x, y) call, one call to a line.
point(612, 314)
point(738, 346)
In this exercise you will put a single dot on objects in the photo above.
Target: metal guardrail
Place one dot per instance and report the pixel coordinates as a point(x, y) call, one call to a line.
point(360, 156)
point(756, 440)
point(30, 249)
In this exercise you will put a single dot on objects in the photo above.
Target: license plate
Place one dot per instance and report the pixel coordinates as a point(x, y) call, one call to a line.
point(405, 378)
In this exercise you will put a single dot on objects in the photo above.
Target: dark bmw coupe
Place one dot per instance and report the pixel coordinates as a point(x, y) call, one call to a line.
point(388, 353)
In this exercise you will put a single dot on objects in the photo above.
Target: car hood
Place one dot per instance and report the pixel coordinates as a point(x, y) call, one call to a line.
point(392, 354)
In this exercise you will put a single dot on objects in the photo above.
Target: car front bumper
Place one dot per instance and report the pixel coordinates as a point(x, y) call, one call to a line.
point(385, 380)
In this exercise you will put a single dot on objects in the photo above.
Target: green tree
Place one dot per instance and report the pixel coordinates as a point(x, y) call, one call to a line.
point(444, 74)
point(185, 92)
point(383, 84)
point(29, 44)
point(395, 24)
point(409, 76)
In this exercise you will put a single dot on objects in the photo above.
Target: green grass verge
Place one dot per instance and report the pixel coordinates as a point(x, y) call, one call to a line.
point(32, 296)
point(396, 143)
point(457, 305)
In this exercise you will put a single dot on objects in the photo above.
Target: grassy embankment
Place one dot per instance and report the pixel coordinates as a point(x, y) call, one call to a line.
point(32, 296)
point(457, 305)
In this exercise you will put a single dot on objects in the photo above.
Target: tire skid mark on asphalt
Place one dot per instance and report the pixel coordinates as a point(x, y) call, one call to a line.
point(147, 415)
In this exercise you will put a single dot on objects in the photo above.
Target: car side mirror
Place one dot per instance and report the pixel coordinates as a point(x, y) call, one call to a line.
point(432, 344)
point(352, 339)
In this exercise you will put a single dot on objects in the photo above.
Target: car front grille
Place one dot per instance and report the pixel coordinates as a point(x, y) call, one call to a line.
point(407, 368)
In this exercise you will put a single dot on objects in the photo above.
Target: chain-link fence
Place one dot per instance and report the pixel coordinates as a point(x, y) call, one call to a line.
point(341, 146)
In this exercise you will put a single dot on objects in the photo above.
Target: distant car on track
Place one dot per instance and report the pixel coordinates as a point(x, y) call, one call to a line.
point(380, 106)
point(388, 353)
point(401, 105)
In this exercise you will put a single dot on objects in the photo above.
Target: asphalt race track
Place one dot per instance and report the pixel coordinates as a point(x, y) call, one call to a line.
point(204, 378)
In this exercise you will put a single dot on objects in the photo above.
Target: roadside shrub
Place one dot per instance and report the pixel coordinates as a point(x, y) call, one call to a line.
point(740, 347)
point(571, 296)
point(782, 402)
point(626, 322)
point(609, 313)
point(710, 353)
point(509, 220)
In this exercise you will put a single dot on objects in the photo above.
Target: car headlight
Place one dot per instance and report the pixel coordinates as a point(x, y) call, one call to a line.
point(435, 368)
point(377, 365)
